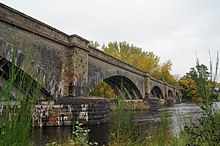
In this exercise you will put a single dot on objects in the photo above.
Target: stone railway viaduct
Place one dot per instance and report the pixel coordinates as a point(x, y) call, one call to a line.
point(67, 66)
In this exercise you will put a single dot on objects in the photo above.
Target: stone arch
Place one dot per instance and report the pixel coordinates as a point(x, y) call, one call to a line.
point(170, 94)
point(22, 58)
point(21, 77)
point(157, 92)
point(123, 84)
point(99, 71)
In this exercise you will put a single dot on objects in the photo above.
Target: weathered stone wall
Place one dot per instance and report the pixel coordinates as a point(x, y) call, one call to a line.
point(66, 111)
point(96, 53)
point(80, 72)
point(51, 51)
point(38, 57)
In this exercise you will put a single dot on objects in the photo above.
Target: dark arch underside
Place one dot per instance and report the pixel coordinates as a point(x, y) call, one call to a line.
point(170, 94)
point(24, 82)
point(177, 95)
point(123, 86)
point(156, 92)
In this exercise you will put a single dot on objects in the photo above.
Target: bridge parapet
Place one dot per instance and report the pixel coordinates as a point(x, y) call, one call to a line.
point(114, 61)
point(158, 81)
point(28, 23)
point(75, 40)
point(25, 22)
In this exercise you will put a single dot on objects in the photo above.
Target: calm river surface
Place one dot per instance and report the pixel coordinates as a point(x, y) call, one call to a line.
point(178, 114)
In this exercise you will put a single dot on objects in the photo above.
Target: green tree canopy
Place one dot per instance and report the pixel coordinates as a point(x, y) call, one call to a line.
point(205, 87)
point(188, 88)
point(200, 76)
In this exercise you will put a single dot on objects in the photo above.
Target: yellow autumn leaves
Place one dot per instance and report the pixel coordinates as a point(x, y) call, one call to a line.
point(189, 89)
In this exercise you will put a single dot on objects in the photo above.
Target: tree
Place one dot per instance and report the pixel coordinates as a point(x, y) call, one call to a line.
point(164, 73)
point(200, 76)
point(188, 89)
point(103, 90)
point(94, 44)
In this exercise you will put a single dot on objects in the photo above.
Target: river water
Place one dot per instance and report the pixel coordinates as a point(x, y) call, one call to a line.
point(178, 115)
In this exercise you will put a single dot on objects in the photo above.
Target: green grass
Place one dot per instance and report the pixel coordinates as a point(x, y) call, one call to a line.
point(125, 129)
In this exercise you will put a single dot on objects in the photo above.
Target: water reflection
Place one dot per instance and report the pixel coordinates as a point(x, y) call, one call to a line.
point(181, 114)
point(148, 120)
point(45, 135)
point(99, 133)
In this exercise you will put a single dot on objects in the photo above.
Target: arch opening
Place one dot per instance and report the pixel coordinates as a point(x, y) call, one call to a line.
point(157, 92)
point(119, 86)
point(170, 94)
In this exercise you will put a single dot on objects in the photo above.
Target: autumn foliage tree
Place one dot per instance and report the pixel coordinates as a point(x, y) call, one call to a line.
point(103, 90)
point(200, 75)
point(188, 89)
point(198, 82)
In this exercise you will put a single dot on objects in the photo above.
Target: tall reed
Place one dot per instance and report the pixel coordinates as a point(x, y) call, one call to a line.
point(18, 95)
point(125, 129)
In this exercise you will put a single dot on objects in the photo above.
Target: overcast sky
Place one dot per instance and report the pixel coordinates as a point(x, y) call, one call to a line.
point(172, 29)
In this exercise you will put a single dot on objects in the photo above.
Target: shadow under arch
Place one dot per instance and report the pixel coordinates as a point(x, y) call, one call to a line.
point(170, 94)
point(123, 85)
point(177, 95)
point(157, 92)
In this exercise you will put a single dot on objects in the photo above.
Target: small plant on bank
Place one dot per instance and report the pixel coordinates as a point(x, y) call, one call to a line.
point(80, 136)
